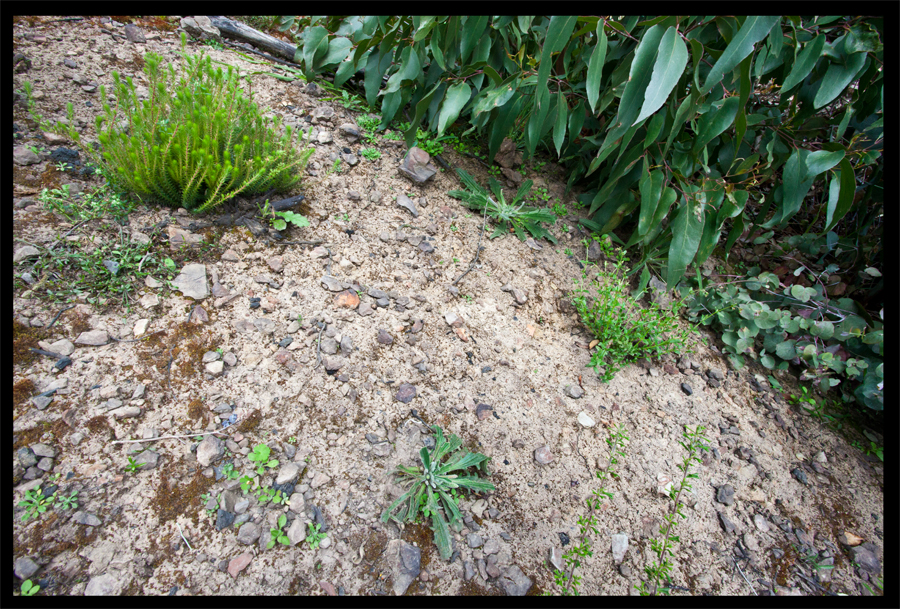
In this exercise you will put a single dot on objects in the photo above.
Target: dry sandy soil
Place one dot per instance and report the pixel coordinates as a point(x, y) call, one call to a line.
point(149, 532)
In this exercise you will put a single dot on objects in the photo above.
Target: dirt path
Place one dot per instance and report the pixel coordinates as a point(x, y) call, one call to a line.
point(314, 374)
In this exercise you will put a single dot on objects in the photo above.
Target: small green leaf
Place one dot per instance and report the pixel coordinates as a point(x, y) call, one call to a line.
point(805, 62)
point(457, 96)
point(754, 29)
point(279, 224)
point(670, 62)
point(595, 67)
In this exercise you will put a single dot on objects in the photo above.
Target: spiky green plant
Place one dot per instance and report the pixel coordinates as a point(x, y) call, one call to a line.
point(197, 140)
point(509, 216)
point(433, 485)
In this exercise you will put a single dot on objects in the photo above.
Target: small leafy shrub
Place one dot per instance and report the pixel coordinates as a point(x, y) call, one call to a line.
point(510, 218)
point(260, 455)
point(315, 537)
point(432, 486)
point(624, 332)
point(278, 535)
point(88, 206)
point(371, 154)
point(35, 503)
point(829, 337)
point(197, 141)
point(658, 572)
point(567, 580)
point(132, 466)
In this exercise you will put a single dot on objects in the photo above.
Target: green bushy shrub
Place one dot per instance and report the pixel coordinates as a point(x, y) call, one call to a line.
point(197, 140)
point(776, 325)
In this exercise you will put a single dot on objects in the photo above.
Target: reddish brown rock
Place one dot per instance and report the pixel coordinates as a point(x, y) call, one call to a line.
point(347, 299)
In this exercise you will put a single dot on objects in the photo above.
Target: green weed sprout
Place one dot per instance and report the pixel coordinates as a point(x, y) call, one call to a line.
point(260, 455)
point(315, 537)
point(432, 485)
point(35, 503)
point(510, 217)
point(278, 535)
point(29, 589)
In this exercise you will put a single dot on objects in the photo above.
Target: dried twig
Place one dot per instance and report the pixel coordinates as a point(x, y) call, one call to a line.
point(752, 589)
point(183, 537)
point(477, 249)
point(190, 435)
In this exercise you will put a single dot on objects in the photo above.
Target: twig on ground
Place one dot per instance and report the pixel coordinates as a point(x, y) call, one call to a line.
point(190, 435)
point(477, 249)
point(183, 537)
point(53, 321)
point(752, 589)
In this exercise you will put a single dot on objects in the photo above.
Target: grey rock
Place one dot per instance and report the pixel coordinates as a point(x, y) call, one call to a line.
point(514, 582)
point(687, 389)
point(866, 559)
point(425, 247)
point(483, 411)
point(134, 34)
point(125, 412)
point(404, 561)
point(725, 494)
point(201, 27)
point(417, 166)
point(574, 391)
point(453, 319)
point(86, 518)
point(228, 499)
point(328, 346)
point(25, 156)
point(715, 374)
point(94, 338)
point(346, 345)
point(659, 294)
point(296, 503)
point(297, 531)
point(800, 475)
point(107, 584)
point(191, 281)
point(45, 464)
point(760, 521)
point(264, 325)
point(334, 363)
point(619, 547)
point(491, 546)
point(376, 293)
point(468, 570)
point(405, 393)
point(147, 459)
point(350, 159)
point(726, 523)
point(24, 252)
point(25, 567)
point(365, 309)
point(248, 533)
point(215, 368)
point(210, 449)
point(474, 540)
point(407, 204)
point(224, 519)
point(330, 283)
point(288, 473)
point(26, 457)
point(384, 338)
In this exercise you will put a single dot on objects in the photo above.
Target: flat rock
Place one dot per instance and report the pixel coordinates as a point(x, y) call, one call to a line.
point(191, 281)
point(248, 533)
point(95, 338)
point(514, 581)
point(405, 393)
point(347, 299)
point(26, 252)
point(384, 338)
point(24, 568)
point(106, 584)
point(543, 455)
point(210, 450)
point(404, 561)
point(334, 363)
point(619, 547)
point(407, 204)
point(238, 564)
point(331, 283)
point(585, 420)
point(574, 391)
point(453, 319)
point(725, 494)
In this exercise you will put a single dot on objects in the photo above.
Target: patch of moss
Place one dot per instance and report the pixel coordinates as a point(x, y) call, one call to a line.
point(181, 500)
point(22, 391)
point(99, 425)
point(250, 423)
point(196, 409)
point(24, 339)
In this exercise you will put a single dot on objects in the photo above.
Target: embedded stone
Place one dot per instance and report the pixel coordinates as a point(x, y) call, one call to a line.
point(94, 338)
point(191, 282)
point(417, 166)
point(405, 393)
point(543, 455)
point(347, 299)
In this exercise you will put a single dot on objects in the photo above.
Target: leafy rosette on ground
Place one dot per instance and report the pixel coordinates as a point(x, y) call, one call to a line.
point(434, 485)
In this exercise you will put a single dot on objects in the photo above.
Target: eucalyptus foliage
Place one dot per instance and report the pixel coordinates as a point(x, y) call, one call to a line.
point(433, 485)
point(684, 128)
point(195, 142)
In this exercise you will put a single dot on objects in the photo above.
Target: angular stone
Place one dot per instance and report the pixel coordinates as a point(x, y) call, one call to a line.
point(107, 584)
point(24, 252)
point(191, 282)
point(404, 560)
point(417, 166)
point(24, 568)
point(264, 325)
point(330, 283)
point(147, 459)
point(296, 503)
point(405, 393)
point(483, 411)
point(179, 238)
point(365, 309)
point(407, 204)
point(574, 391)
point(94, 338)
point(726, 523)
point(248, 533)
point(87, 519)
point(335, 363)
point(236, 565)
point(384, 338)
point(760, 522)
point(585, 420)
point(26, 457)
point(619, 547)
point(453, 319)
point(215, 368)
point(320, 479)
point(287, 473)
point(210, 450)
point(126, 412)
point(514, 581)
point(425, 247)
point(297, 531)
point(687, 389)
point(725, 494)
point(508, 155)
point(41, 401)
point(25, 156)
point(134, 34)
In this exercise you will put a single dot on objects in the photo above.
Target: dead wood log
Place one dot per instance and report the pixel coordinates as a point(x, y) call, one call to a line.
point(245, 33)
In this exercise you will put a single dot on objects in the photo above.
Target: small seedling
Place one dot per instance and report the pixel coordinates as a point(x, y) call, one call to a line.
point(370, 153)
point(35, 503)
point(278, 535)
point(292, 440)
point(132, 466)
point(247, 483)
point(229, 472)
point(315, 537)
point(66, 503)
point(29, 589)
point(261, 454)
point(279, 498)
